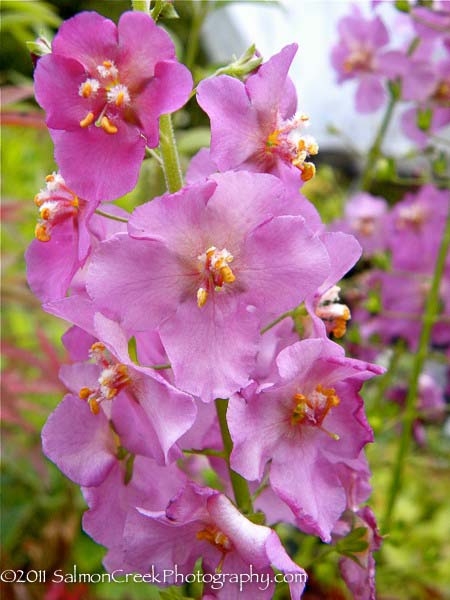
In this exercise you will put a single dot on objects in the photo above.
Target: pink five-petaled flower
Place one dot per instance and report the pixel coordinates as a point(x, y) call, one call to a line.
point(104, 88)
point(66, 230)
point(114, 404)
point(201, 522)
point(208, 266)
point(310, 419)
point(253, 125)
point(360, 54)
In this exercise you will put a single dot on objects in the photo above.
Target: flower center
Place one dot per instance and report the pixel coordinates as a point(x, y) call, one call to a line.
point(413, 216)
point(313, 409)
point(106, 87)
point(360, 59)
point(334, 314)
point(56, 204)
point(216, 272)
point(286, 143)
point(217, 539)
point(113, 378)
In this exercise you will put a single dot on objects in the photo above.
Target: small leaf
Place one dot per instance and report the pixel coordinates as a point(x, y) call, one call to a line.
point(424, 118)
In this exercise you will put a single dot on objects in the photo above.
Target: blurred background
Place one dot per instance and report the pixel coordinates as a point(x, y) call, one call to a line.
point(41, 509)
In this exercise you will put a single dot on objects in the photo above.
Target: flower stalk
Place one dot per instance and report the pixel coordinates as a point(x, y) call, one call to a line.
point(239, 484)
point(429, 318)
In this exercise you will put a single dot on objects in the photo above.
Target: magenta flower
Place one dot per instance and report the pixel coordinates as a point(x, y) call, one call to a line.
point(360, 54)
point(148, 415)
point(365, 217)
point(121, 493)
point(253, 124)
point(416, 229)
point(307, 422)
point(66, 230)
point(359, 574)
point(104, 88)
point(430, 87)
point(208, 266)
point(201, 522)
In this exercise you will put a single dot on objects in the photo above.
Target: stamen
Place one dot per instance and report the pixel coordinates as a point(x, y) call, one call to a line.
point(88, 120)
point(202, 297)
point(313, 409)
point(41, 232)
point(107, 126)
point(88, 87)
point(118, 94)
point(108, 69)
point(308, 171)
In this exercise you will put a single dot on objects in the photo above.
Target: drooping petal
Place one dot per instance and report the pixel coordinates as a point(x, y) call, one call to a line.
point(167, 91)
point(137, 281)
point(79, 442)
point(211, 349)
point(95, 166)
point(142, 44)
point(88, 37)
point(283, 263)
point(370, 94)
point(235, 131)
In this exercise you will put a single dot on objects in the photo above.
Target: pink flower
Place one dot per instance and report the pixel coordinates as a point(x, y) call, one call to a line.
point(208, 266)
point(148, 415)
point(360, 576)
point(365, 217)
point(360, 54)
point(201, 522)
point(253, 124)
point(305, 422)
point(66, 230)
point(104, 88)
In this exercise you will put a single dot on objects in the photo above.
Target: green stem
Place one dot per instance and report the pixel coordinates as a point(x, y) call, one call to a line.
point(142, 5)
point(108, 216)
point(239, 484)
point(375, 150)
point(160, 367)
point(386, 380)
point(429, 318)
point(200, 10)
point(277, 320)
point(169, 155)
point(149, 152)
point(206, 452)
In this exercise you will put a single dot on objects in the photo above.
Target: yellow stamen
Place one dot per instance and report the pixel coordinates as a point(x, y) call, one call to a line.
point(107, 64)
point(41, 233)
point(227, 274)
point(88, 120)
point(107, 126)
point(38, 200)
point(86, 89)
point(75, 202)
point(94, 406)
point(120, 98)
point(49, 178)
point(272, 140)
point(308, 171)
point(84, 393)
point(202, 297)
point(97, 347)
point(45, 213)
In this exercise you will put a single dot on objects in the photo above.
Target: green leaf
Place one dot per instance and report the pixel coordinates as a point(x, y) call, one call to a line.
point(424, 118)
point(403, 6)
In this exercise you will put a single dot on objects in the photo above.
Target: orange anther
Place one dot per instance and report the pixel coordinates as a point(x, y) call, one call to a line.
point(84, 393)
point(86, 89)
point(308, 171)
point(38, 200)
point(202, 297)
point(50, 178)
point(120, 98)
point(98, 347)
point(88, 120)
point(41, 233)
point(45, 214)
point(94, 406)
point(107, 126)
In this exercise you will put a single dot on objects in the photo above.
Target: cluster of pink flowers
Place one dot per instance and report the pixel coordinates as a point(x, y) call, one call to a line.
point(174, 309)
point(417, 73)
